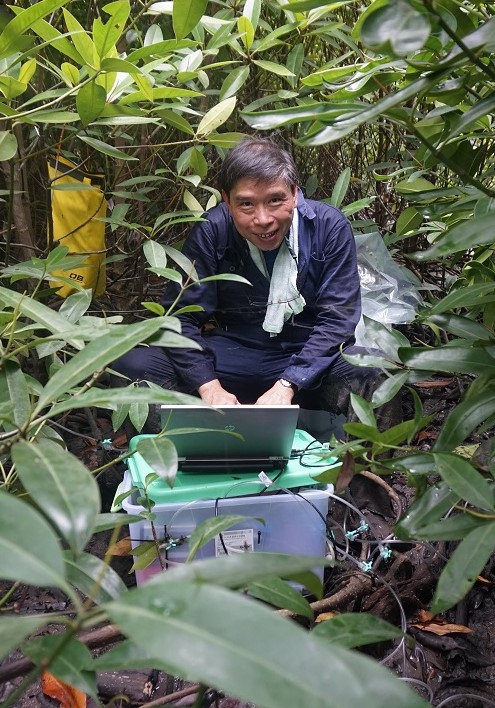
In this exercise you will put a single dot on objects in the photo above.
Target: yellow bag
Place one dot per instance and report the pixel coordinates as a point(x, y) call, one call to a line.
point(74, 214)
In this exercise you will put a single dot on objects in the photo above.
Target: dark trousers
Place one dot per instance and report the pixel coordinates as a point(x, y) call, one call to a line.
point(248, 371)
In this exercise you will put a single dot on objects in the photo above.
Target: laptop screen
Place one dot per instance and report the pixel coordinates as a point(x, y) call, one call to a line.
point(237, 437)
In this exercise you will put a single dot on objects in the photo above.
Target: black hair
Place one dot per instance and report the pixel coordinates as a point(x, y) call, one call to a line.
point(260, 159)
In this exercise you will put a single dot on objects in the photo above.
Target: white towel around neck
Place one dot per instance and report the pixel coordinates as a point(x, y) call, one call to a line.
point(284, 299)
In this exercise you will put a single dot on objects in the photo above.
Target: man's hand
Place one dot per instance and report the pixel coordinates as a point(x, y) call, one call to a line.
point(213, 393)
point(277, 395)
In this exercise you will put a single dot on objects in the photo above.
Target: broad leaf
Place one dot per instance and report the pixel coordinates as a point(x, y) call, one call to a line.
point(278, 593)
point(465, 418)
point(90, 102)
point(430, 507)
point(463, 567)
point(216, 116)
point(465, 480)
point(106, 149)
point(229, 631)
point(62, 487)
point(462, 237)
point(37, 312)
point(453, 528)
point(462, 360)
point(160, 454)
point(15, 628)
point(24, 21)
point(352, 629)
point(8, 145)
point(210, 528)
point(96, 356)
point(93, 577)
point(16, 386)
point(185, 16)
point(28, 546)
point(72, 661)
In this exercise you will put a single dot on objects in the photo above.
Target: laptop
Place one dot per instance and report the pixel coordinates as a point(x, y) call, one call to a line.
point(237, 437)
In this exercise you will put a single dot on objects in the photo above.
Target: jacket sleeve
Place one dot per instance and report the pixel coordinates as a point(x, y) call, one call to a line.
point(333, 273)
point(195, 366)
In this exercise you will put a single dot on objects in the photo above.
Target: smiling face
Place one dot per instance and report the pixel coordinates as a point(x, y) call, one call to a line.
point(262, 211)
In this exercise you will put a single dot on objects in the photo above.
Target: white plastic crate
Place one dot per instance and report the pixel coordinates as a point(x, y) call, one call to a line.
point(295, 523)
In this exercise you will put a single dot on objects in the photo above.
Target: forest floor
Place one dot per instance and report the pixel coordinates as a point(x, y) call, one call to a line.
point(450, 660)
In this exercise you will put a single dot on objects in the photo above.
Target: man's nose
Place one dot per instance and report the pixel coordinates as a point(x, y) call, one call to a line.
point(262, 215)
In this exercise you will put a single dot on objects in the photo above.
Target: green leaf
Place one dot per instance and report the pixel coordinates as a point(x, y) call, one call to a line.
point(397, 23)
point(237, 649)
point(216, 116)
point(462, 360)
point(207, 530)
point(8, 145)
point(93, 577)
point(412, 186)
point(352, 629)
point(363, 410)
point(14, 629)
point(409, 220)
point(96, 356)
point(430, 507)
point(465, 480)
point(182, 261)
point(463, 327)
point(464, 297)
point(225, 140)
point(246, 31)
point(161, 455)
point(464, 419)
point(155, 254)
point(106, 149)
point(463, 567)
point(234, 81)
point(17, 387)
point(462, 237)
point(273, 68)
point(114, 397)
point(106, 35)
point(186, 14)
point(176, 121)
point(62, 488)
point(72, 663)
point(28, 546)
point(340, 188)
point(82, 41)
point(24, 21)
point(278, 593)
point(388, 389)
point(90, 102)
point(454, 528)
point(37, 312)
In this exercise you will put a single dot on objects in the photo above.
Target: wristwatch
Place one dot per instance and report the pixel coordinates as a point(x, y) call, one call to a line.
point(288, 384)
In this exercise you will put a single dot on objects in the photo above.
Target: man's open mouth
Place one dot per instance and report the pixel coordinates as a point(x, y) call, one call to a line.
point(268, 235)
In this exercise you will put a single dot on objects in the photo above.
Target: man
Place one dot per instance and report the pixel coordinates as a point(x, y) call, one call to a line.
point(279, 339)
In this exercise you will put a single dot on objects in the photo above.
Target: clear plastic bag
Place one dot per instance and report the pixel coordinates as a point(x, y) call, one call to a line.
point(389, 292)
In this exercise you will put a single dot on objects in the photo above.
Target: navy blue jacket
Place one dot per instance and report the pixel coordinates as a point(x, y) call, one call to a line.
point(327, 278)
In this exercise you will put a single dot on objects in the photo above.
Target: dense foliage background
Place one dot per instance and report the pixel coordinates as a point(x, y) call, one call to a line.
point(387, 106)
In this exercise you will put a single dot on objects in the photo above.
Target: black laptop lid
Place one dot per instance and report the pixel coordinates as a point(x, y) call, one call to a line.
point(263, 436)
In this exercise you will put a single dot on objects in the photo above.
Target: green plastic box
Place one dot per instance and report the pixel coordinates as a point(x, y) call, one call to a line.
point(189, 487)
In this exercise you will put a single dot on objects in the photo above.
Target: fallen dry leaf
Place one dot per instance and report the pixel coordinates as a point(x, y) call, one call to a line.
point(122, 547)
point(326, 616)
point(68, 696)
point(441, 629)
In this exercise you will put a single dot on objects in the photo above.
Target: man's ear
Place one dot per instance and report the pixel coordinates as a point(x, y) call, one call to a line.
point(225, 197)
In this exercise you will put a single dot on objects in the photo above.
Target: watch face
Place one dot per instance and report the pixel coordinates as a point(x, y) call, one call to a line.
point(285, 383)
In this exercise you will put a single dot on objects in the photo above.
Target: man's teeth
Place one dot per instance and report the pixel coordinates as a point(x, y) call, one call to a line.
point(268, 235)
